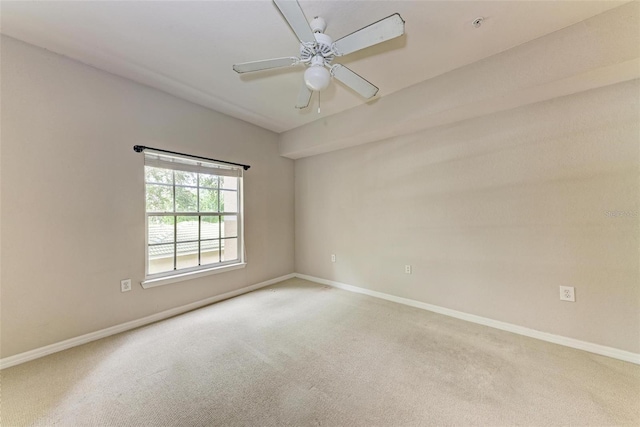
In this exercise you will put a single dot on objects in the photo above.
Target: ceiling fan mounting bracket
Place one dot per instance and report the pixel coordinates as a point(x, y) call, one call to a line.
point(318, 25)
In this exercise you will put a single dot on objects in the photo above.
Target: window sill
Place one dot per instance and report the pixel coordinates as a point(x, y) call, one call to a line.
point(181, 277)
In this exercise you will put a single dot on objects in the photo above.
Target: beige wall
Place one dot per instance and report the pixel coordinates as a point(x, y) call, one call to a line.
point(493, 213)
point(72, 197)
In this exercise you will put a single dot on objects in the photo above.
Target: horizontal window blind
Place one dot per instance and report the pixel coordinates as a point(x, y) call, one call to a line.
point(176, 162)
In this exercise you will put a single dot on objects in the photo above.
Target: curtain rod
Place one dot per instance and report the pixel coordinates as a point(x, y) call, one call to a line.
point(141, 148)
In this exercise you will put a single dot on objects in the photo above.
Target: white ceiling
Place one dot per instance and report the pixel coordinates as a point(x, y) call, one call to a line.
point(187, 48)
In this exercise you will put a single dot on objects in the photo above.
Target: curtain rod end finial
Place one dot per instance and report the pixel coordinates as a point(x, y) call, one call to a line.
point(138, 148)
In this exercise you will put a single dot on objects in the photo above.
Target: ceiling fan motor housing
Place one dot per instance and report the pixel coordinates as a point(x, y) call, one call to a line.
point(323, 47)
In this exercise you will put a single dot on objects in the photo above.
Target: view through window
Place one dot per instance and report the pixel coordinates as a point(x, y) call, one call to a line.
point(193, 215)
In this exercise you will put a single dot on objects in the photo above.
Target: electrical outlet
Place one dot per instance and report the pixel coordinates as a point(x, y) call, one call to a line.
point(125, 285)
point(567, 293)
point(333, 257)
point(407, 269)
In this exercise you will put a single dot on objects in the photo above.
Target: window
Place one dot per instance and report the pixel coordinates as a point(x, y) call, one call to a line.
point(193, 216)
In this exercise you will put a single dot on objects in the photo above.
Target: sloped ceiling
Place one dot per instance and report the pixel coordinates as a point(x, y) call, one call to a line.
point(187, 48)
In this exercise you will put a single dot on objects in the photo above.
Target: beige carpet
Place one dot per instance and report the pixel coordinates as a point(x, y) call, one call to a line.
point(302, 354)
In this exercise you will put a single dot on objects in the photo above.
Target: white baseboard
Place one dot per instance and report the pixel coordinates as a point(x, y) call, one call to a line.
point(615, 353)
point(83, 339)
point(544, 336)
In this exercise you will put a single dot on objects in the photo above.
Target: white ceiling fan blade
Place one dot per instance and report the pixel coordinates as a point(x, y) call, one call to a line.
point(265, 64)
point(292, 12)
point(354, 81)
point(378, 32)
point(304, 96)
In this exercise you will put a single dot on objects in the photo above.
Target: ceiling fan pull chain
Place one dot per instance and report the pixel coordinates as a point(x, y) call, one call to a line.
point(318, 102)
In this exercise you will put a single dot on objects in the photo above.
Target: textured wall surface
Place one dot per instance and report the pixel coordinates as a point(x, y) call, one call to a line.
point(494, 214)
point(73, 197)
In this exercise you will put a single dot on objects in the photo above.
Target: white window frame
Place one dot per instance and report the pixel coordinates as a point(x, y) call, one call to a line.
point(189, 164)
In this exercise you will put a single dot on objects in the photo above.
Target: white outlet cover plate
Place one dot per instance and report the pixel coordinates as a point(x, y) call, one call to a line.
point(125, 285)
point(567, 293)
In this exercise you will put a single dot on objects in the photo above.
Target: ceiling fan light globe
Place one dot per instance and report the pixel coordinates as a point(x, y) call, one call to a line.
point(317, 78)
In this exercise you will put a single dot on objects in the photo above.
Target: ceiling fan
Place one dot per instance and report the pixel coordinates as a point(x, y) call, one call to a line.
point(317, 51)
